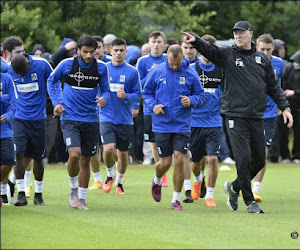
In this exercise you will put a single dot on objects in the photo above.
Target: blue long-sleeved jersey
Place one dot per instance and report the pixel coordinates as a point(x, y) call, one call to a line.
point(165, 86)
point(208, 114)
point(271, 109)
point(144, 65)
point(8, 97)
point(79, 102)
point(4, 65)
point(31, 89)
point(118, 111)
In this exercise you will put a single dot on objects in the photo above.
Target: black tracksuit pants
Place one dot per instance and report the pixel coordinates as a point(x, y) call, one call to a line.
point(247, 142)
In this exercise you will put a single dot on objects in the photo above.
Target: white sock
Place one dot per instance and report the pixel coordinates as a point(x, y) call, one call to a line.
point(97, 176)
point(38, 186)
point(3, 189)
point(110, 172)
point(120, 178)
point(157, 180)
point(20, 185)
point(82, 192)
point(187, 184)
point(256, 186)
point(209, 193)
point(12, 177)
point(202, 173)
point(27, 178)
point(198, 178)
point(73, 181)
point(176, 196)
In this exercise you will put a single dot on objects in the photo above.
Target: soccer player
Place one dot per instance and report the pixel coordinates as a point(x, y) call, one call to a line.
point(206, 126)
point(30, 75)
point(171, 90)
point(265, 43)
point(157, 42)
point(8, 98)
point(116, 118)
point(86, 85)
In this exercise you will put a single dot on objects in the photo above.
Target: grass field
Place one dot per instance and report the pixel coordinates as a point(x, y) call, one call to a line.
point(136, 221)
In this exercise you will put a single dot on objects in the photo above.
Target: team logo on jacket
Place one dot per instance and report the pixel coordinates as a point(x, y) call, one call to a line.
point(239, 62)
point(258, 59)
point(34, 77)
point(122, 78)
point(182, 80)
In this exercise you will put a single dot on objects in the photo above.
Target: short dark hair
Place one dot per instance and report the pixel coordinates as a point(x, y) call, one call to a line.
point(265, 38)
point(118, 41)
point(11, 42)
point(157, 33)
point(209, 38)
point(176, 50)
point(19, 64)
point(98, 39)
point(88, 41)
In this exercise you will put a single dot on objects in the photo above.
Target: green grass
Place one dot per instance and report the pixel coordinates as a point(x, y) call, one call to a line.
point(136, 221)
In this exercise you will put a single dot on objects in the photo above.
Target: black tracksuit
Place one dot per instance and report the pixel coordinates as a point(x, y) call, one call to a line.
point(248, 78)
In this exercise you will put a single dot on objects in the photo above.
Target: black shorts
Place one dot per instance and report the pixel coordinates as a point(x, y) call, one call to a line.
point(270, 127)
point(149, 136)
point(118, 134)
point(7, 151)
point(166, 143)
point(81, 134)
point(205, 141)
point(30, 138)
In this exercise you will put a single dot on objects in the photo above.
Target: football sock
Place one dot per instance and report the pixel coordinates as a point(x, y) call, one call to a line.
point(82, 192)
point(176, 196)
point(97, 176)
point(210, 193)
point(256, 186)
point(187, 184)
point(20, 185)
point(198, 178)
point(38, 186)
point(27, 178)
point(202, 173)
point(110, 172)
point(157, 180)
point(12, 177)
point(73, 181)
point(120, 178)
point(3, 189)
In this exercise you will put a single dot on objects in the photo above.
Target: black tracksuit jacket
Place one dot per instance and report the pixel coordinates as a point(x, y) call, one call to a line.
point(248, 78)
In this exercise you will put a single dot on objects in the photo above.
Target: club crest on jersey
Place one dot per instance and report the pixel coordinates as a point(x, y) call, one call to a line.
point(34, 77)
point(122, 78)
point(258, 59)
point(182, 80)
point(239, 62)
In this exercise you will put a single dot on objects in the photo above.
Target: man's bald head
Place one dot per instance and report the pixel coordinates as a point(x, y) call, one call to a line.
point(175, 56)
point(175, 49)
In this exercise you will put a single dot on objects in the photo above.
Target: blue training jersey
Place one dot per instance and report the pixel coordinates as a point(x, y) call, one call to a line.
point(31, 89)
point(144, 65)
point(118, 111)
point(8, 97)
point(208, 114)
point(271, 109)
point(79, 102)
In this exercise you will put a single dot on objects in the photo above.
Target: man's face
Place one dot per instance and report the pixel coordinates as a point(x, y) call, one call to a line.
point(157, 45)
point(99, 53)
point(145, 49)
point(38, 53)
point(118, 53)
point(16, 51)
point(189, 52)
point(243, 38)
point(175, 63)
point(267, 48)
point(107, 48)
point(87, 54)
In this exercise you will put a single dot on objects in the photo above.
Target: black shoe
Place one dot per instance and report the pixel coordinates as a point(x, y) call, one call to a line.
point(21, 200)
point(203, 188)
point(188, 197)
point(4, 199)
point(38, 199)
point(232, 200)
point(253, 208)
point(11, 189)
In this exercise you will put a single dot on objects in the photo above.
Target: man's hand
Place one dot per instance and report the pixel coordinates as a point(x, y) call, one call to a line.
point(3, 119)
point(158, 109)
point(286, 114)
point(58, 110)
point(100, 101)
point(135, 112)
point(186, 102)
point(121, 93)
point(289, 92)
point(188, 38)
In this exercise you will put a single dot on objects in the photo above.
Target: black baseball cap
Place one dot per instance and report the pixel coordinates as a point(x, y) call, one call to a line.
point(242, 25)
